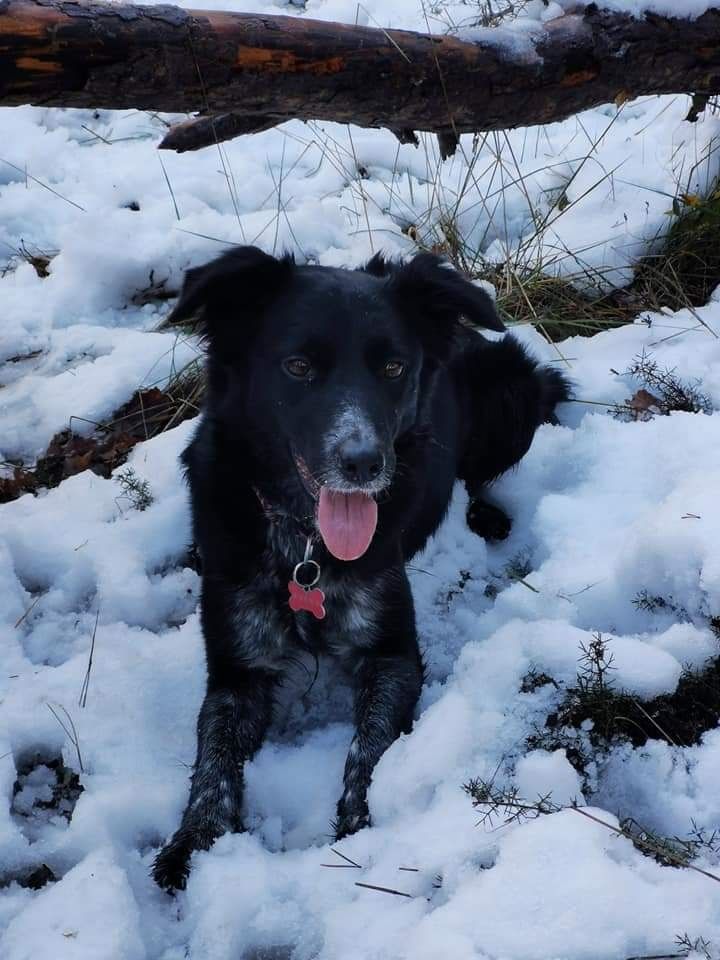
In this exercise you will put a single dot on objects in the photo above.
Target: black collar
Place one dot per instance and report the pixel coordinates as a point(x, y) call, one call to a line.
point(275, 514)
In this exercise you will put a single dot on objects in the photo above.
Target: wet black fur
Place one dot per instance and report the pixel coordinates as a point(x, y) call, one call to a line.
point(464, 408)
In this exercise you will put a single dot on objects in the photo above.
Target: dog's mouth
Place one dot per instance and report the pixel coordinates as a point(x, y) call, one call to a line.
point(347, 520)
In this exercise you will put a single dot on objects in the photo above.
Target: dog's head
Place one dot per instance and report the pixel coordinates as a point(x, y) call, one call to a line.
point(329, 366)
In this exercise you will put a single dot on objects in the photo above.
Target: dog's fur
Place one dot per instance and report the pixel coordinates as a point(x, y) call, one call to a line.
point(463, 407)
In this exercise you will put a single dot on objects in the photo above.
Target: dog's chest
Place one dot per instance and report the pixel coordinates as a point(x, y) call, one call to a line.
point(267, 632)
point(352, 615)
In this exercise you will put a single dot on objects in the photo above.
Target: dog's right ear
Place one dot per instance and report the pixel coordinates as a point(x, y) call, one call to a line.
point(434, 297)
point(219, 298)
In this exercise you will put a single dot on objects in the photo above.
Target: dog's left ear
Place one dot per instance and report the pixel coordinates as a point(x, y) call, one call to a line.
point(434, 296)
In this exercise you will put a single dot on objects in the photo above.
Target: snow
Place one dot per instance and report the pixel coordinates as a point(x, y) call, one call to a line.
point(56, 925)
point(603, 509)
point(687, 9)
point(541, 11)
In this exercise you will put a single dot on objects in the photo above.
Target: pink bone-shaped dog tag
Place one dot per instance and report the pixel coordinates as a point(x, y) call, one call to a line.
point(304, 598)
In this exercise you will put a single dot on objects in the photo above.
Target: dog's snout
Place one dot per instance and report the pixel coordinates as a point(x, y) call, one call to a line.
point(361, 460)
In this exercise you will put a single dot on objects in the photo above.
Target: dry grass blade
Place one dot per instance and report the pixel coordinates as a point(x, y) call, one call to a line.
point(72, 733)
point(663, 733)
point(658, 956)
point(169, 186)
point(82, 702)
point(28, 611)
point(29, 176)
point(342, 856)
point(649, 845)
point(373, 886)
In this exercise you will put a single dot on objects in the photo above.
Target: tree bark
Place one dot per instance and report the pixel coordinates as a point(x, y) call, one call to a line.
point(247, 72)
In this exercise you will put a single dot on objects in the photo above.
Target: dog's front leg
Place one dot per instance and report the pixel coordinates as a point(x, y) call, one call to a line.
point(231, 725)
point(388, 689)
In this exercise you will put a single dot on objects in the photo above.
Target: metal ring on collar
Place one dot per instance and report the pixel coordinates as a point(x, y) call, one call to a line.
point(306, 563)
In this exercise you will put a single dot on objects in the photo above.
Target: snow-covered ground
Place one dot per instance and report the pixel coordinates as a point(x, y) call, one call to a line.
point(604, 508)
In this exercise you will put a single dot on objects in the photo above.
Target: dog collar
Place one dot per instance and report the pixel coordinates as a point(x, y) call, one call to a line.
point(304, 594)
point(275, 515)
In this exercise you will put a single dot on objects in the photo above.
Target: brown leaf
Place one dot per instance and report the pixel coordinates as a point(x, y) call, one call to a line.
point(644, 404)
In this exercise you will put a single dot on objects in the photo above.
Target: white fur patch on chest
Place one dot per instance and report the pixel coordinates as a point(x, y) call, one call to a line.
point(353, 615)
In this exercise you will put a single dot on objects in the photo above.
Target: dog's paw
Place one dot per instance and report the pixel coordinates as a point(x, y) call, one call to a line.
point(488, 521)
point(172, 865)
point(346, 826)
point(350, 819)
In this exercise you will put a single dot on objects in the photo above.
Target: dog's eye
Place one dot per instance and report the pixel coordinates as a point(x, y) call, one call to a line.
point(297, 367)
point(393, 369)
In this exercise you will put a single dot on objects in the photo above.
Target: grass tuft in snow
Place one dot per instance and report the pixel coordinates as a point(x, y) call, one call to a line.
point(38, 259)
point(480, 13)
point(685, 270)
point(653, 603)
point(555, 304)
point(63, 717)
point(134, 490)
point(539, 280)
point(534, 680)
point(594, 715)
point(665, 390)
point(697, 947)
point(464, 577)
point(519, 567)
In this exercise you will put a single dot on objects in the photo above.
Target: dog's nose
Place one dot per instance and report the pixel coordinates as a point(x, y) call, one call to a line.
point(361, 460)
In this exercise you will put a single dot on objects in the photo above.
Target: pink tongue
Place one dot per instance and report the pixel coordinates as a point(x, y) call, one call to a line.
point(347, 522)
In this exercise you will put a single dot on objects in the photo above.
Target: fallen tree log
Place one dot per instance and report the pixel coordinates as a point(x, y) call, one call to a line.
point(247, 72)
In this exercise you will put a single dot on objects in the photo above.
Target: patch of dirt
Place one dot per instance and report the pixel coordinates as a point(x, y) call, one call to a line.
point(34, 878)
point(147, 413)
point(19, 482)
point(602, 717)
point(45, 788)
point(37, 878)
point(69, 453)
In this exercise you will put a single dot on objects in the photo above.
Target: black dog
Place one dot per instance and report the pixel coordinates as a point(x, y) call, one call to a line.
point(342, 406)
